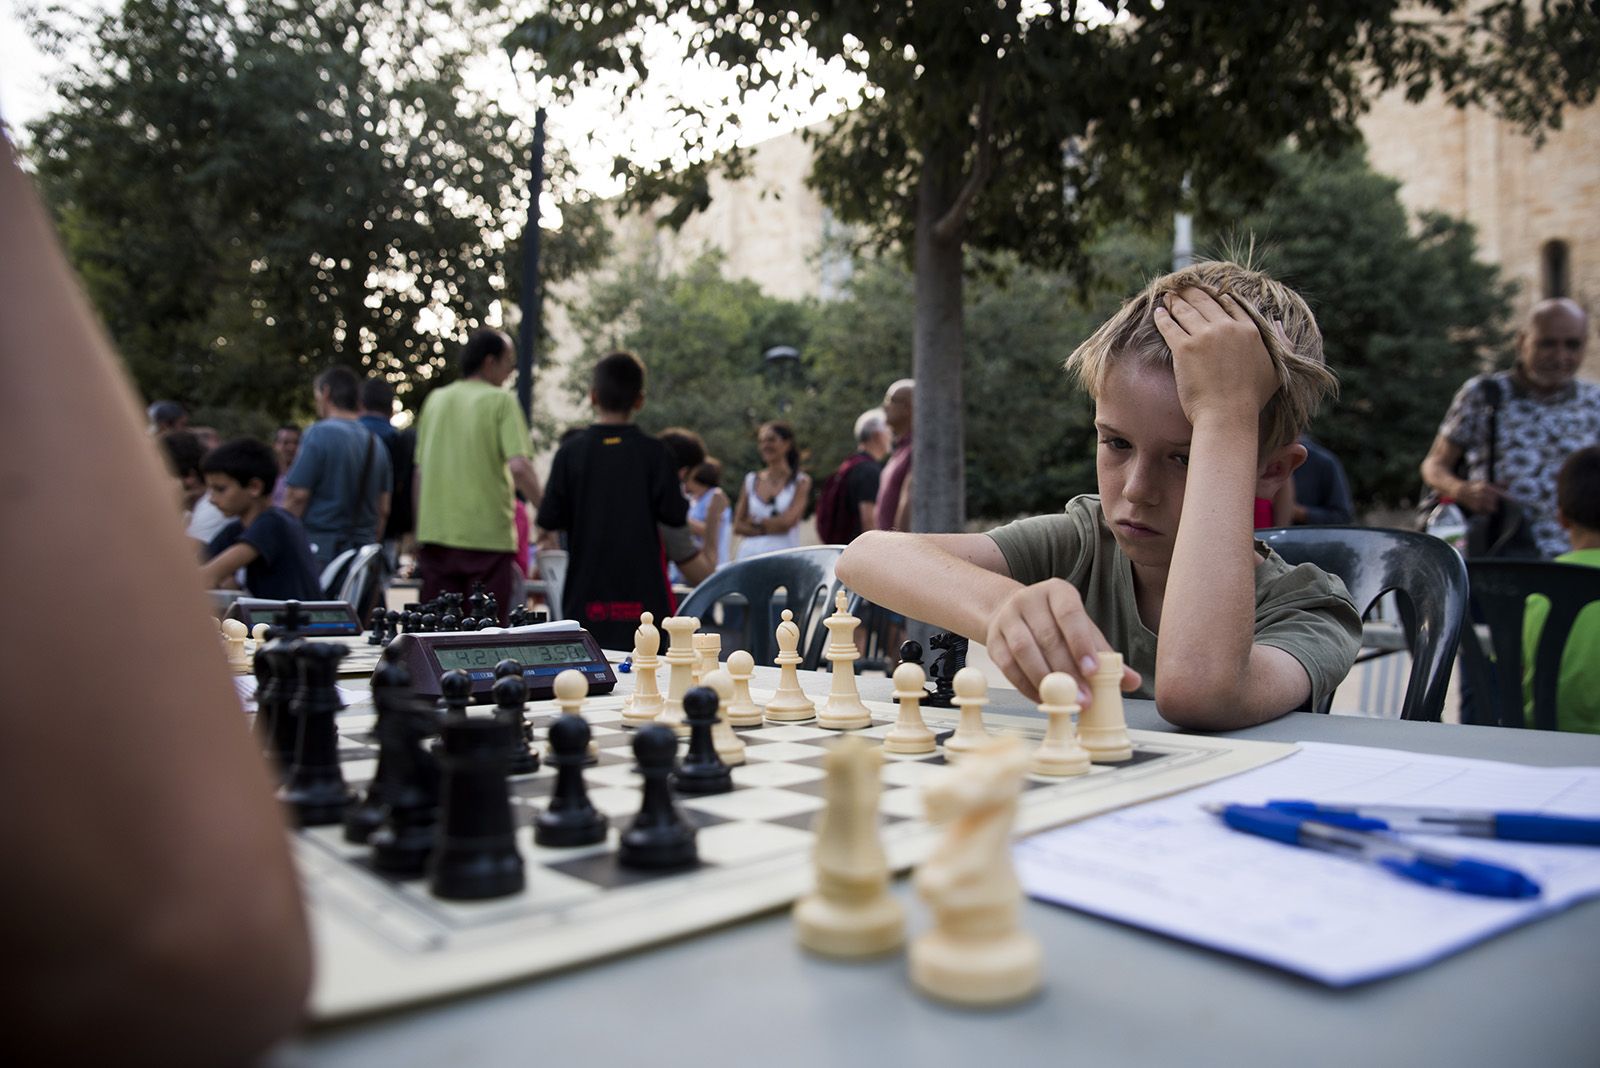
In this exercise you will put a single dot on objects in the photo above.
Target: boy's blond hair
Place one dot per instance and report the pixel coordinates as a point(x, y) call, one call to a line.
point(1304, 381)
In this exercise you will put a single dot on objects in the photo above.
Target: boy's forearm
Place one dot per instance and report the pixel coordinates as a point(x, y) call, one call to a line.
point(917, 576)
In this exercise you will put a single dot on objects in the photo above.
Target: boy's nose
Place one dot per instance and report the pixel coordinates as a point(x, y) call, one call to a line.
point(1142, 486)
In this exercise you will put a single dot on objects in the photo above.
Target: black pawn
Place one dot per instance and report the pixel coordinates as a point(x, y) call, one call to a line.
point(402, 845)
point(510, 699)
point(375, 621)
point(469, 624)
point(659, 837)
point(315, 787)
point(429, 622)
point(455, 686)
point(476, 856)
point(449, 622)
point(391, 687)
point(703, 771)
point(392, 618)
point(570, 819)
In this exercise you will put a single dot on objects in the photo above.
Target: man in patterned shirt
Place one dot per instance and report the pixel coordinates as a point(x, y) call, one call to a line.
point(1544, 414)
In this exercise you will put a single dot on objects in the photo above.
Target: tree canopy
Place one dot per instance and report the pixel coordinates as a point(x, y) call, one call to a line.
point(1025, 127)
point(254, 191)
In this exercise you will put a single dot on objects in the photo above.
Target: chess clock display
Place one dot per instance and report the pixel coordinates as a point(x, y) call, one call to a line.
point(318, 619)
point(544, 651)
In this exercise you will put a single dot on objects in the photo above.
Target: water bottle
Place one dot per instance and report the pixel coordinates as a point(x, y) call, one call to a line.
point(1447, 523)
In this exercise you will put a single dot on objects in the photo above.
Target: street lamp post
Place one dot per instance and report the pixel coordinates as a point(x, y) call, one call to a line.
point(784, 360)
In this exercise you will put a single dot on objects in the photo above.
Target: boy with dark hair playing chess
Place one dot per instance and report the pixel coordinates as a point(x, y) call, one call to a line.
point(1202, 384)
point(267, 541)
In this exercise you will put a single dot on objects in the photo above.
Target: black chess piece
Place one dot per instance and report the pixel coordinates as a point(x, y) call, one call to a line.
point(702, 770)
point(391, 685)
point(402, 845)
point(449, 622)
point(430, 622)
point(455, 686)
point(476, 856)
point(292, 619)
point(951, 660)
point(314, 787)
point(490, 616)
point(468, 623)
point(392, 618)
point(570, 819)
point(511, 703)
point(375, 621)
point(275, 719)
point(660, 837)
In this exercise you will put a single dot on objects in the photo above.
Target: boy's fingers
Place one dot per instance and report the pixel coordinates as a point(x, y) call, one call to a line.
point(1130, 679)
point(1204, 304)
point(1169, 328)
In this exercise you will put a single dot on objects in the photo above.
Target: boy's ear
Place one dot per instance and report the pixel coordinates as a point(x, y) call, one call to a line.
point(594, 400)
point(638, 404)
point(1281, 463)
point(257, 488)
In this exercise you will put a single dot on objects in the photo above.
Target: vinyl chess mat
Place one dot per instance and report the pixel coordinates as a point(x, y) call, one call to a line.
point(382, 943)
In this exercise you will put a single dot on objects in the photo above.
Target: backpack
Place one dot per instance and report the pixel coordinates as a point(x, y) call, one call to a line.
point(835, 523)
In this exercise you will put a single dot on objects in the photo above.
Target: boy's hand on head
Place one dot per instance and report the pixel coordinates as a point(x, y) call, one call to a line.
point(1219, 359)
point(1043, 628)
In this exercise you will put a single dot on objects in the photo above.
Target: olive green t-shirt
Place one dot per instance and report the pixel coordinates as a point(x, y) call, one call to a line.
point(1302, 610)
point(465, 434)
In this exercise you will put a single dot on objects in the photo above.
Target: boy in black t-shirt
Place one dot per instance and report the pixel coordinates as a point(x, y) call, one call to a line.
point(268, 542)
point(614, 490)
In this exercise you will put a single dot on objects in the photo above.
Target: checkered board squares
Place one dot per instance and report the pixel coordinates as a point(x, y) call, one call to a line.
point(383, 943)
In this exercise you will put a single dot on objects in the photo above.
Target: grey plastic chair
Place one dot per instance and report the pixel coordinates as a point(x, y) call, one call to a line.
point(1500, 588)
point(806, 576)
point(1429, 580)
point(361, 585)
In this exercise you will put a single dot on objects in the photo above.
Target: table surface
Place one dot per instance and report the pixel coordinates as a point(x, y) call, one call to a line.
point(1114, 995)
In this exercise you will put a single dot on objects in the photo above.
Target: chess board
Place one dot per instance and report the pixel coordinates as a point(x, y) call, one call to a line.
point(382, 943)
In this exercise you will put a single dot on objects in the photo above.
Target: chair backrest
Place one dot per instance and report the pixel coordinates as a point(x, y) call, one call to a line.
point(332, 578)
point(806, 574)
point(1500, 590)
point(553, 573)
point(1427, 576)
point(363, 579)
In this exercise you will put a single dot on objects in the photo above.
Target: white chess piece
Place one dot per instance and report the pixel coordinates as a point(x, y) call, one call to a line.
point(1059, 754)
point(790, 704)
point(645, 705)
point(851, 913)
point(259, 633)
point(1103, 726)
point(681, 660)
point(976, 954)
point(910, 734)
point(233, 636)
point(729, 746)
point(571, 687)
point(972, 694)
point(707, 650)
point(843, 710)
point(742, 711)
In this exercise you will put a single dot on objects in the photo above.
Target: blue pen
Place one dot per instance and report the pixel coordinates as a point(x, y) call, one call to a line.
point(1462, 874)
point(1475, 823)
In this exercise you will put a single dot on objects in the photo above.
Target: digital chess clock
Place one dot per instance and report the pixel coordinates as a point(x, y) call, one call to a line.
point(544, 651)
point(318, 619)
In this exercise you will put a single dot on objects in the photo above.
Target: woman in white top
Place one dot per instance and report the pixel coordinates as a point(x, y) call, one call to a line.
point(710, 516)
point(772, 499)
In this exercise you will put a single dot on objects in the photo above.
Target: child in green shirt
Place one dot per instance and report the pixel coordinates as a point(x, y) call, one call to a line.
point(1578, 687)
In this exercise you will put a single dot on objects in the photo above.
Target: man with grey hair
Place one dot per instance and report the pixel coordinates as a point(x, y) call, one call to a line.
point(1514, 428)
point(847, 500)
point(894, 486)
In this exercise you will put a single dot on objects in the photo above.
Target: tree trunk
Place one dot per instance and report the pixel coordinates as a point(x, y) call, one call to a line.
point(938, 460)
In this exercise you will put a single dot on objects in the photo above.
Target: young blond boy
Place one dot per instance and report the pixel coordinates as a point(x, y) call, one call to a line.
point(1202, 384)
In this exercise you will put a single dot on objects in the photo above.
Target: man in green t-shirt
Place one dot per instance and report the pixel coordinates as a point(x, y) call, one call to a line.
point(1578, 687)
point(472, 451)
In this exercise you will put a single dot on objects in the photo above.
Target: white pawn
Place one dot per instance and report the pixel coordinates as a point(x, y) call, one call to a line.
point(742, 711)
point(1103, 726)
point(645, 705)
point(233, 636)
point(976, 953)
point(843, 711)
point(259, 633)
point(571, 687)
point(681, 661)
point(972, 694)
point(790, 704)
point(910, 734)
point(707, 649)
point(1059, 754)
point(728, 744)
point(851, 913)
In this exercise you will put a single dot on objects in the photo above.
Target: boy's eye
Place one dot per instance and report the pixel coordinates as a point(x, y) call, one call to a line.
point(1182, 458)
point(1116, 443)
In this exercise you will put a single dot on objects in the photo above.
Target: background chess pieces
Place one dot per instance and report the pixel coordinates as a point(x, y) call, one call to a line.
point(476, 856)
point(660, 837)
point(571, 687)
point(702, 770)
point(1059, 753)
point(741, 710)
point(790, 704)
point(645, 703)
point(909, 734)
point(681, 661)
point(951, 659)
point(233, 635)
point(510, 694)
point(708, 649)
point(976, 953)
point(1103, 726)
point(570, 819)
point(972, 694)
point(851, 913)
point(843, 710)
point(730, 747)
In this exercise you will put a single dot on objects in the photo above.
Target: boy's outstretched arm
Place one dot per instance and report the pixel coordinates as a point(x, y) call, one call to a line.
point(1210, 674)
point(960, 582)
